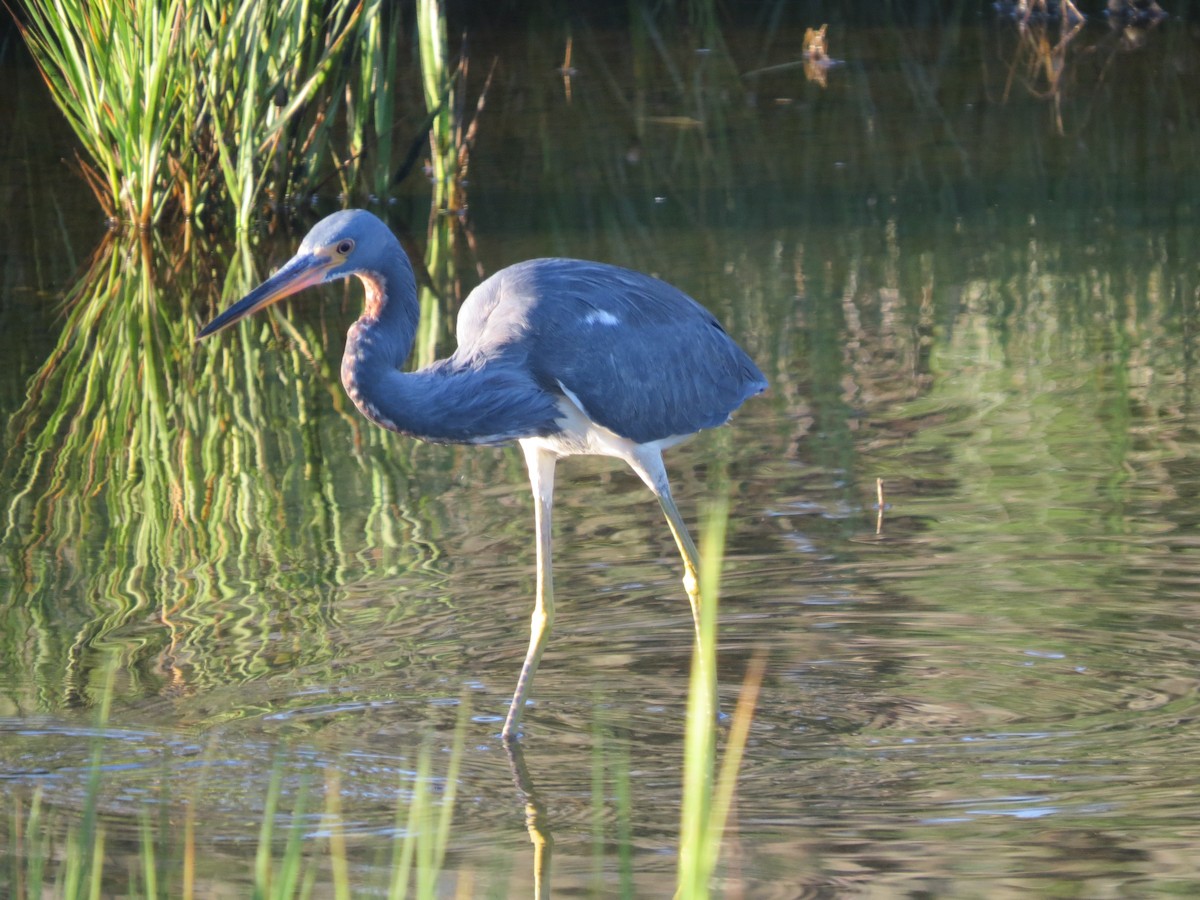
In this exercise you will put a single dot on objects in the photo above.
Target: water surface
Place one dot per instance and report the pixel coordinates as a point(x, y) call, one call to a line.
point(974, 284)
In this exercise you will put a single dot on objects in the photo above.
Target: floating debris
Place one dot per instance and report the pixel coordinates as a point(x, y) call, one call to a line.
point(814, 44)
point(817, 60)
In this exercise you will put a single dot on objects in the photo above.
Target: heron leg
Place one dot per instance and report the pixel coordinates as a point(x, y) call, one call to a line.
point(653, 472)
point(648, 464)
point(541, 464)
point(687, 551)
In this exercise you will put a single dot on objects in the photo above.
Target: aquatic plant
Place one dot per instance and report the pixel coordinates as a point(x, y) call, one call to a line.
point(370, 109)
point(108, 67)
point(437, 78)
point(189, 108)
point(269, 89)
point(54, 850)
point(707, 793)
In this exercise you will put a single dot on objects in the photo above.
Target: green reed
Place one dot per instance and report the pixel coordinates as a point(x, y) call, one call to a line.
point(437, 79)
point(370, 107)
point(452, 132)
point(422, 841)
point(108, 67)
point(271, 86)
point(707, 794)
point(611, 765)
point(60, 851)
point(452, 125)
point(195, 108)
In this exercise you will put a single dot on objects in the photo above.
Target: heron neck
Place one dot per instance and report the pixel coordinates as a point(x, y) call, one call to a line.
point(380, 341)
point(448, 402)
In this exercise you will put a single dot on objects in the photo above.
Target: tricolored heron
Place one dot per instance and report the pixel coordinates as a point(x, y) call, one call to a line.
point(560, 355)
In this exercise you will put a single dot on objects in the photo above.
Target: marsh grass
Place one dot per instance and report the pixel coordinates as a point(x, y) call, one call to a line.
point(269, 92)
point(109, 69)
point(452, 132)
point(707, 792)
point(438, 79)
point(207, 108)
point(611, 765)
point(371, 122)
point(56, 851)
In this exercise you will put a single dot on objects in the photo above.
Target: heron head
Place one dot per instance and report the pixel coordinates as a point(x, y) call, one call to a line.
point(351, 242)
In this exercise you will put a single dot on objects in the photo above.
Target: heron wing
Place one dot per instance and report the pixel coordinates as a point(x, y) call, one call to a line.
point(642, 358)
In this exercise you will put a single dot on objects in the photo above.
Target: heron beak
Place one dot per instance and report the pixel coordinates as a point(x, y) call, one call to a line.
point(297, 273)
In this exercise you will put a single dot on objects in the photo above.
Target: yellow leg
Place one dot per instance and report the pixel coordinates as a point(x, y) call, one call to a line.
point(541, 478)
point(687, 550)
point(536, 821)
point(648, 464)
point(646, 460)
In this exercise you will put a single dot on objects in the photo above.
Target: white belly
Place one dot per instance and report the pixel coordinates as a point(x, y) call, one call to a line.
point(580, 436)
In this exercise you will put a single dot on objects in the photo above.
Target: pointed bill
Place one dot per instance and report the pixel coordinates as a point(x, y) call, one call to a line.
point(299, 272)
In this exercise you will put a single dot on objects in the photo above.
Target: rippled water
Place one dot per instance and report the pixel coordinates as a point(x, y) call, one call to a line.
point(988, 688)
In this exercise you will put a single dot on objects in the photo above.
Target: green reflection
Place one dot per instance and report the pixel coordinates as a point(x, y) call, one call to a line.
point(207, 500)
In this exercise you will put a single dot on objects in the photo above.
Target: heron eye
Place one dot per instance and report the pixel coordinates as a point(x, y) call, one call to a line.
point(344, 247)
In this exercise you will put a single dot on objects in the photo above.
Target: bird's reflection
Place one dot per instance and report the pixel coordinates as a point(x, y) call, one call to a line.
point(536, 820)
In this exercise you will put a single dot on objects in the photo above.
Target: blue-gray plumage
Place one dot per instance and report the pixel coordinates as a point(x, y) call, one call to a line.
point(563, 356)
